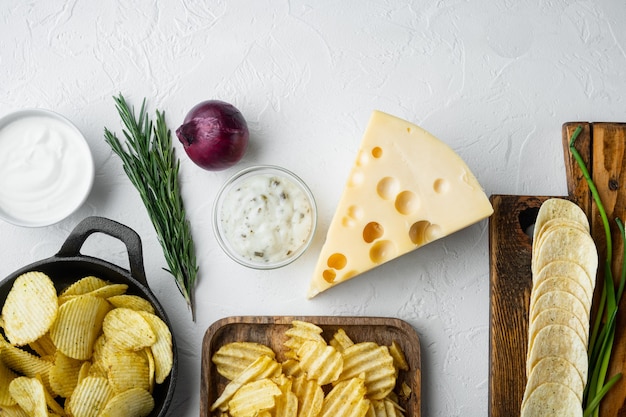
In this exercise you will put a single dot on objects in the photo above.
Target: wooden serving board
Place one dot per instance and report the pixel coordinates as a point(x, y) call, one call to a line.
point(270, 330)
point(603, 147)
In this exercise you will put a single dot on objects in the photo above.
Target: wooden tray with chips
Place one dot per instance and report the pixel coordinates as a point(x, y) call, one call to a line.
point(603, 147)
point(269, 330)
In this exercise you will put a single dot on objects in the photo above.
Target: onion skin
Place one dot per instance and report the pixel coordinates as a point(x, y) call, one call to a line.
point(214, 135)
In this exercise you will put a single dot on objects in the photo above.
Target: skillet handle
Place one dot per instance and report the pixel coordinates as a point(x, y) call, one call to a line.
point(94, 224)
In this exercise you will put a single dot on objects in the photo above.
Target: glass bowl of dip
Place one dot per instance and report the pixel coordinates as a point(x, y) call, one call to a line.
point(46, 168)
point(264, 217)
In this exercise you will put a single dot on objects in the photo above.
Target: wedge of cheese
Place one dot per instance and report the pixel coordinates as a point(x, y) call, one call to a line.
point(406, 189)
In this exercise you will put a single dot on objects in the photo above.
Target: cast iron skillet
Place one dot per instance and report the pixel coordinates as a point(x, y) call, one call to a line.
point(69, 264)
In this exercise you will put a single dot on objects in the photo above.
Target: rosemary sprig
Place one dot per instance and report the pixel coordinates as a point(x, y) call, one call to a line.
point(151, 166)
point(603, 329)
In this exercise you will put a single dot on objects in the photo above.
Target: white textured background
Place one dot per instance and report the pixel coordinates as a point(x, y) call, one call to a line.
point(494, 79)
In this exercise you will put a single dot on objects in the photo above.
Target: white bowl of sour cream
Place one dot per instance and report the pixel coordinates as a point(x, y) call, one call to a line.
point(264, 217)
point(46, 168)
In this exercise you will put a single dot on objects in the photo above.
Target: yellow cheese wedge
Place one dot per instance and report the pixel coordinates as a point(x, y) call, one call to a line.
point(406, 189)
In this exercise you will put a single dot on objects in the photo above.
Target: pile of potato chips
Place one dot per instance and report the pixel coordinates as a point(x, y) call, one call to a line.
point(564, 265)
point(315, 378)
point(92, 350)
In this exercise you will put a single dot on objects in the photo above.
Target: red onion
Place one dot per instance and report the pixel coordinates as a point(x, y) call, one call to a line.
point(214, 135)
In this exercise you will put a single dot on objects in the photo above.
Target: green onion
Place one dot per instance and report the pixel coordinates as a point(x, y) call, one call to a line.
point(603, 329)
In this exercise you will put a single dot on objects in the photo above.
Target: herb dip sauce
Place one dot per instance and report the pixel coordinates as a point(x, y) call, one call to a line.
point(266, 218)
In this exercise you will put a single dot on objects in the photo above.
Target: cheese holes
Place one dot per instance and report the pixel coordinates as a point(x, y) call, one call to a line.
point(362, 159)
point(337, 261)
point(441, 186)
point(406, 202)
point(423, 232)
point(382, 251)
point(387, 188)
point(354, 213)
point(356, 178)
point(372, 231)
point(329, 275)
point(377, 152)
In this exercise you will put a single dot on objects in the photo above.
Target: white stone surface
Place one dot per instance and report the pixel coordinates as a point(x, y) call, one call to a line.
point(494, 79)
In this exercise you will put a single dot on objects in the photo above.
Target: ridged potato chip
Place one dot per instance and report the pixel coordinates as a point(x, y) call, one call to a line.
point(44, 346)
point(161, 348)
point(346, 399)
point(232, 358)
point(78, 325)
point(399, 359)
point(23, 362)
point(14, 411)
point(300, 332)
point(63, 374)
point(254, 397)
point(135, 402)
point(128, 329)
point(84, 286)
point(310, 396)
point(340, 340)
point(134, 302)
point(320, 361)
point(287, 402)
point(6, 376)
point(29, 394)
point(384, 408)
point(89, 397)
point(128, 369)
point(30, 308)
point(312, 380)
point(76, 361)
point(263, 367)
point(375, 363)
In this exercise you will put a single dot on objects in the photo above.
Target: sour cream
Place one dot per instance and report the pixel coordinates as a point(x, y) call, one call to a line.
point(46, 168)
point(265, 217)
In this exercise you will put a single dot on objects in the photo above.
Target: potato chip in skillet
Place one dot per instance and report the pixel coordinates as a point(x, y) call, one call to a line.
point(78, 325)
point(91, 394)
point(6, 376)
point(134, 302)
point(161, 349)
point(83, 286)
point(30, 308)
point(29, 395)
point(133, 402)
point(128, 369)
point(63, 375)
point(128, 329)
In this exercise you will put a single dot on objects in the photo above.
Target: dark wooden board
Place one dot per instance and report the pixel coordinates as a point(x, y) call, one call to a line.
point(269, 330)
point(602, 147)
